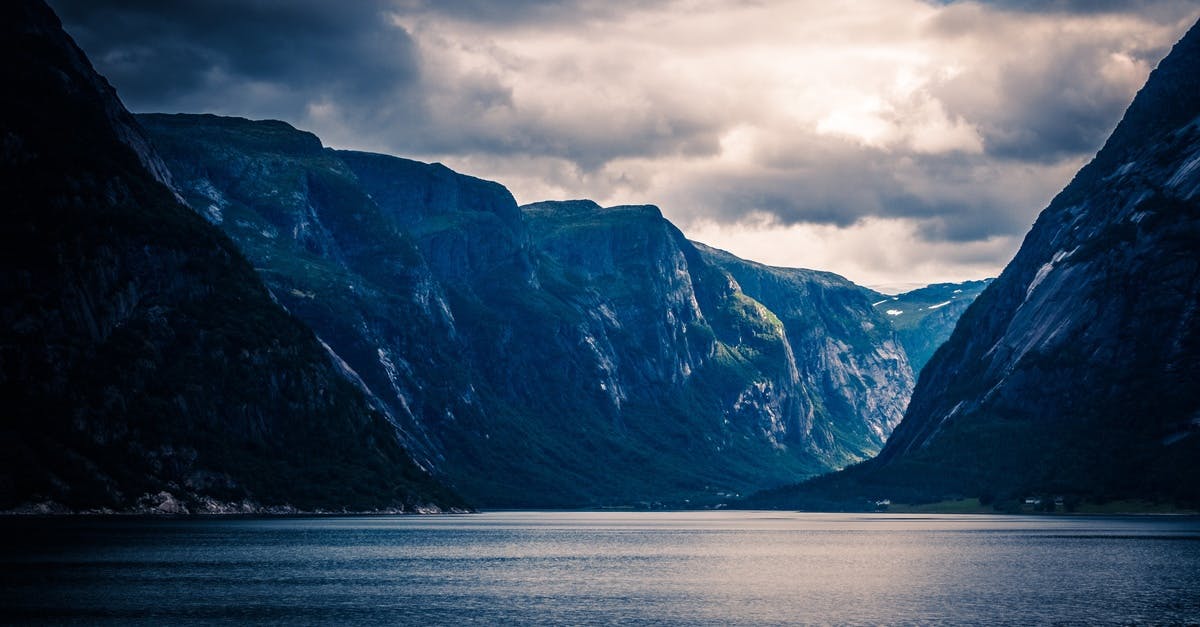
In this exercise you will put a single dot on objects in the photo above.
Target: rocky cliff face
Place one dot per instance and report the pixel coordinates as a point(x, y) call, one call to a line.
point(848, 358)
point(630, 264)
point(660, 320)
point(143, 364)
point(1077, 370)
point(554, 354)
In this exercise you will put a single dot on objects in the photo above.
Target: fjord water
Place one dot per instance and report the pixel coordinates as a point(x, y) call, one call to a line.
point(686, 568)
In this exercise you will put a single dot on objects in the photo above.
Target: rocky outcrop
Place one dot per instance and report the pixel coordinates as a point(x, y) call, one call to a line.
point(144, 365)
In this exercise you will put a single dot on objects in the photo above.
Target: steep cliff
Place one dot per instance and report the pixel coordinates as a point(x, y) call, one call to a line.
point(848, 357)
point(144, 366)
point(668, 329)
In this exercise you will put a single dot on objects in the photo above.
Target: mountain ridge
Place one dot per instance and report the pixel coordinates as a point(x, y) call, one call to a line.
point(640, 323)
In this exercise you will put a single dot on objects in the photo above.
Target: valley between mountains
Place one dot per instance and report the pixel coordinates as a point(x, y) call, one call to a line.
point(593, 356)
point(209, 314)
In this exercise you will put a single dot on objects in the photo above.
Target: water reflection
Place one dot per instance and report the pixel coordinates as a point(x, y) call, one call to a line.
point(720, 568)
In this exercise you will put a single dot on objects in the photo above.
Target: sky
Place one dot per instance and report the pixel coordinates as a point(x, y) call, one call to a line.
point(895, 142)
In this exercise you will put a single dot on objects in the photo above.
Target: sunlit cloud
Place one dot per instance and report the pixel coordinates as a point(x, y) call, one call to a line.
point(867, 251)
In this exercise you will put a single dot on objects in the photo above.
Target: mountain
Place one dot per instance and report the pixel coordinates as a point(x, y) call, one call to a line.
point(925, 317)
point(1077, 371)
point(556, 354)
point(144, 365)
point(332, 257)
point(844, 350)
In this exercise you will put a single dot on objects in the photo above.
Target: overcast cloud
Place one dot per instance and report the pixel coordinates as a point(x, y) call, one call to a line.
point(893, 141)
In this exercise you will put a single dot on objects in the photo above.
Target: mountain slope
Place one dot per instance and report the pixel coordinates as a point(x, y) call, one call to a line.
point(1077, 371)
point(924, 318)
point(332, 256)
point(570, 354)
point(143, 364)
point(845, 351)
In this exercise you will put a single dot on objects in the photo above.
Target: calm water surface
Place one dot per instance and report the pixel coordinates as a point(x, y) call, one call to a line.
point(684, 568)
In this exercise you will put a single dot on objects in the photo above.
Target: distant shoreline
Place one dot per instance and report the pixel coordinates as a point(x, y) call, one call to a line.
point(953, 507)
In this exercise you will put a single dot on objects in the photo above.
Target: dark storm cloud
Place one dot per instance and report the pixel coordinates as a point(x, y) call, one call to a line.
point(1056, 104)
point(256, 57)
point(350, 62)
point(954, 198)
point(588, 143)
point(1052, 113)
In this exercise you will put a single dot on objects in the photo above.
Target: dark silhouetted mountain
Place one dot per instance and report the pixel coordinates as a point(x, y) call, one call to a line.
point(1077, 371)
point(557, 354)
point(144, 365)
